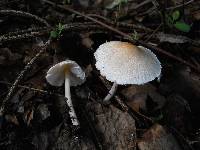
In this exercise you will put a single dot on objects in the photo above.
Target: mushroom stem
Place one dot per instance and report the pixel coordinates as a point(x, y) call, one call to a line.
point(111, 93)
point(72, 112)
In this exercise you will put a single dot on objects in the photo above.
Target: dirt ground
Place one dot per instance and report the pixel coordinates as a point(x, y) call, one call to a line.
point(159, 115)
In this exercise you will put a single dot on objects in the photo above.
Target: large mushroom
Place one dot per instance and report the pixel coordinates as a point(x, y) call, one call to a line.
point(71, 73)
point(125, 63)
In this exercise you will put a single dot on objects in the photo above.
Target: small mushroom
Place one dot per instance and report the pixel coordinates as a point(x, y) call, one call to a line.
point(71, 73)
point(125, 63)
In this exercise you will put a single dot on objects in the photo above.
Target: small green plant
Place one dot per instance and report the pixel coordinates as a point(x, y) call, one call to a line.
point(134, 35)
point(174, 20)
point(57, 32)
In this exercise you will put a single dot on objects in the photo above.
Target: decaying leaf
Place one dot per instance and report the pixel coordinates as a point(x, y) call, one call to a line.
point(158, 138)
point(86, 40)
point(12, 119)
point(28, 116)
point(136, 96)
point(177, 113)
point(138, 102)
point(196, 15)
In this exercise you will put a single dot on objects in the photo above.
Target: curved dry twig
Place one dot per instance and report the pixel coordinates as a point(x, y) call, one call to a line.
point(24, 14)
point(23, 34)
point(120, 24)
point(30, 33)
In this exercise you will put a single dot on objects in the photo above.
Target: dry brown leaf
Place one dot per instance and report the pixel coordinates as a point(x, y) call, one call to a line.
point(136, 96)
point(157, 138)
point(12, 119)
point(28, 116)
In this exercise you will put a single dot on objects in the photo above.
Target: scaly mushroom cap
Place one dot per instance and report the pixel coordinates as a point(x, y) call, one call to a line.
point(125, 63)
point(56, 74)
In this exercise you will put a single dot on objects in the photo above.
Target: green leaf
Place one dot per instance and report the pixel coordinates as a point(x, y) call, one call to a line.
point(175, 15)
point(135, 35)
point(53, 34)
point(60, 28)
point(182, 26)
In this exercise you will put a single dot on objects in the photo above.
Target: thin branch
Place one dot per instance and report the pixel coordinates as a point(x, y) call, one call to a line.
point(33, 89)
point(24, 14)
point(13, 36)
point(174, 7)
point(122, 24)
point(152, 34)
point(124, 35)
point(30, 33)
point(25, 31)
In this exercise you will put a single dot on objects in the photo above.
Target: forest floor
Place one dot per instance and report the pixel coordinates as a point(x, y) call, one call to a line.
point(159, 115)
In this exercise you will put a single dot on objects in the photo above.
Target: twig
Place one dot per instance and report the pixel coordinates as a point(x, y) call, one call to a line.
point(13, 37)
point(122, 24)
point(195, 62)
point(30, 33)
point(174, 7)
point(124, 35)
point(132, 111)
point(33, 89)
point(20, 76)
point(181, 138)
point(142, 4)
point(153, 33)
point(25, 31)
point(24, 14)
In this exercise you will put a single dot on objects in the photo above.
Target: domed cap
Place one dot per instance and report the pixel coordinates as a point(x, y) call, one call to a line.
point(125, 63)
point(56, 74)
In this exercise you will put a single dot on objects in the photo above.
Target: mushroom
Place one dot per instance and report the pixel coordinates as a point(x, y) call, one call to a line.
point(125, 63)
point(71, 73)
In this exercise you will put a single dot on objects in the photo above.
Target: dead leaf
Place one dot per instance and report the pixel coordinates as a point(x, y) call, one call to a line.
point(86, 40)
point(196, 15)
point(157, 138)
point(136, 96)
point(138, 102)
point(28, 116)
point(177, 113)
point(12, 119)
point(88, 70)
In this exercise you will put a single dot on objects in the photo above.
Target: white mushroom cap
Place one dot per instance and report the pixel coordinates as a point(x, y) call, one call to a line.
point(125, 63)
point(56, 74)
